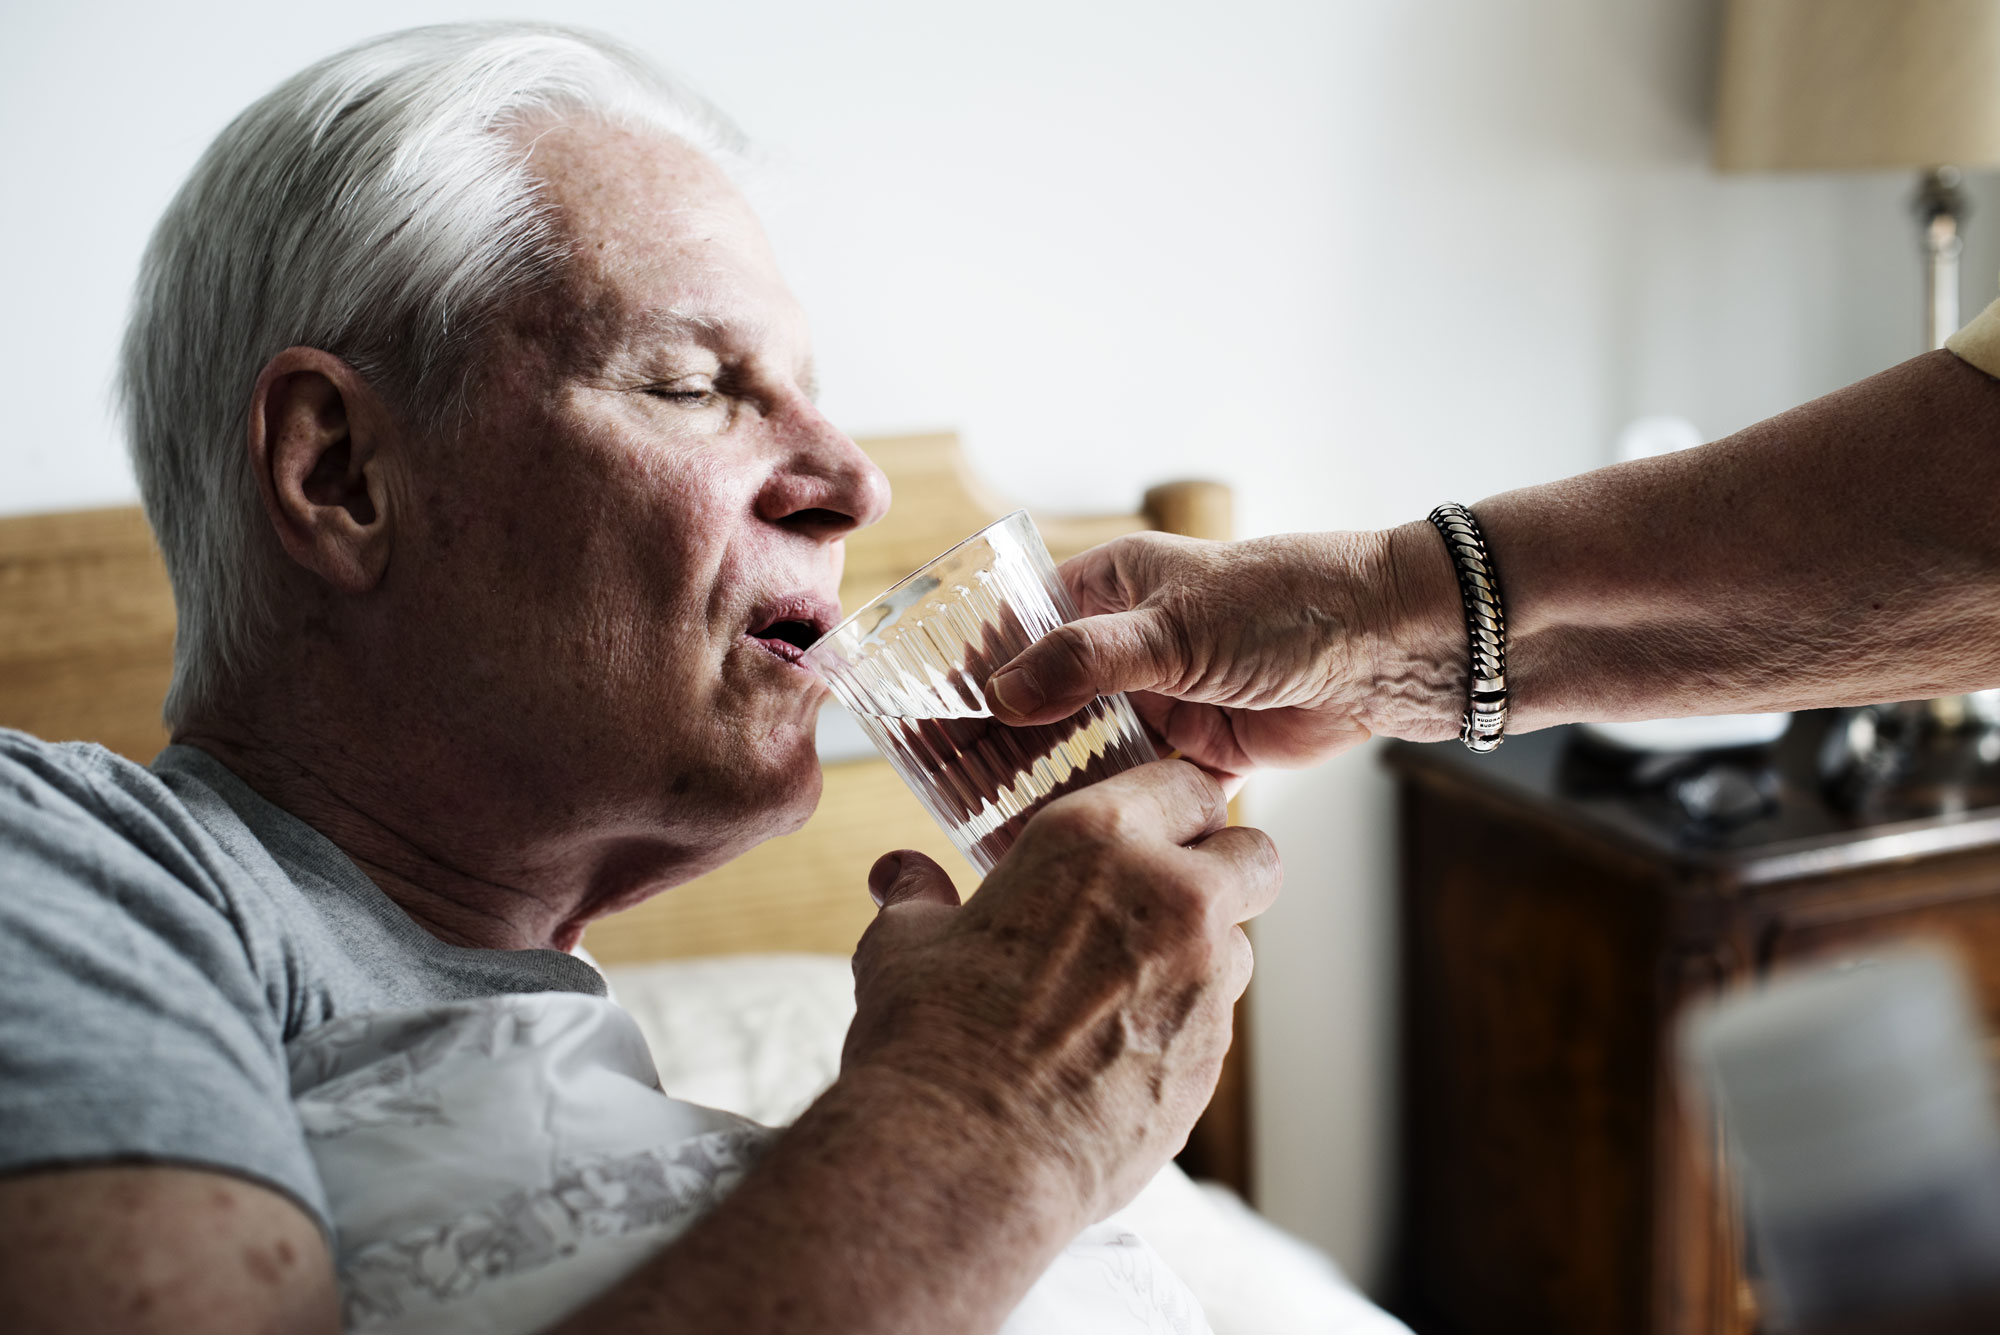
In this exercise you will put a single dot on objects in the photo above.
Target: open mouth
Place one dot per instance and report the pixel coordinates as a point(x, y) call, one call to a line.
point(787, 639)
point(789, 631)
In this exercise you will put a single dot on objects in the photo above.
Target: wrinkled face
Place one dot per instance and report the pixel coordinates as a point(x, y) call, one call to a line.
point(641, 527)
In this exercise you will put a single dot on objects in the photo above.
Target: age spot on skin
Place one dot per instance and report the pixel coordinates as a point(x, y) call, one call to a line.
point(263, 1266)
point(1112, 1040)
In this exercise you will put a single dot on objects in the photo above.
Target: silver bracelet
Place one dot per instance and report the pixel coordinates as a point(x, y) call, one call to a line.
point(1484, 726)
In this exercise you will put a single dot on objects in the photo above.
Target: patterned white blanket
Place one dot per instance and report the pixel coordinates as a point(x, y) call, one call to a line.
point(494, 1165)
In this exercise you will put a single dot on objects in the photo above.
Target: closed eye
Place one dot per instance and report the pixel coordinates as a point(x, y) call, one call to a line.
point(693, 397)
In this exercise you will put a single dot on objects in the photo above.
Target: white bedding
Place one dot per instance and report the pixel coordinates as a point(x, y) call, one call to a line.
point(760, 1035)
point(493, 1165)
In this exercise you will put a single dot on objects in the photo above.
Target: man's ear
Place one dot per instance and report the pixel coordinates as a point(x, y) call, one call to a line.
point(319, 440)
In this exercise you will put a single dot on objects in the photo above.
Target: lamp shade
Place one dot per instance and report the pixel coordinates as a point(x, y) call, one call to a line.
point(1858, 83)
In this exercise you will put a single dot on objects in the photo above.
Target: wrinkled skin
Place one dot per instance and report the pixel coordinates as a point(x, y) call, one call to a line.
point(518, 680)
point(1239, 655)
point(1084, 994)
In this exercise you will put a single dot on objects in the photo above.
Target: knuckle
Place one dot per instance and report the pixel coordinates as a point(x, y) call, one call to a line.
point(1204, 960)
point(868, 950)
point(1128, 555)
point(1179, 907)
point(1268, 864)
point(1148, 559)
point(1174, 639)
point(1091, 817)
point(1094, 579)
point(1242, 959)
point(1069, 652)
point(1185, 898)
point(1063, 818)
point(1153, 648)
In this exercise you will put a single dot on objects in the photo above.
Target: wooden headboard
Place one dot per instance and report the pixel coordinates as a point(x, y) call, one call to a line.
point(86, 647)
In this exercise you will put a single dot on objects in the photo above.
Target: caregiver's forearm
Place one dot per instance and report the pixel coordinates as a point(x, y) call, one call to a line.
point(1845, 552)
point(884, 1209)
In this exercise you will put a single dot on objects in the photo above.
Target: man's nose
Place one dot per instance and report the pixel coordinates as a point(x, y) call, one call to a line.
point(825, 486)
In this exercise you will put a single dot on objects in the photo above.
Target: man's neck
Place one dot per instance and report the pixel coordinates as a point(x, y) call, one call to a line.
point(438, 851)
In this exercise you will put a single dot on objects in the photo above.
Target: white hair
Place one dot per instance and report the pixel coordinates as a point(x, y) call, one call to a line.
point(378, 206)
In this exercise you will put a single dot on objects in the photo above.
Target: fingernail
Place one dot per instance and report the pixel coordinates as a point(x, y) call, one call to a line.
point(883, 875)
point(1017, 689)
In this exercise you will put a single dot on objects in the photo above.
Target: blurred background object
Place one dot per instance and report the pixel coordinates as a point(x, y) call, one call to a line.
point(1899, 762)
point(1858, 1109)
point(1563, 906)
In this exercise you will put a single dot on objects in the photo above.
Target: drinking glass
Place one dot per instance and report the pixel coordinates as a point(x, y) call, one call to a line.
point(913, 665)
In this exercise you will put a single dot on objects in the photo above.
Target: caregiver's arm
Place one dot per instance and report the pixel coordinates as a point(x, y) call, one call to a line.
point(1845, 552)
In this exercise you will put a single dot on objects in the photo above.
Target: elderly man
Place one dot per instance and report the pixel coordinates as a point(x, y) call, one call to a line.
point(478, 429)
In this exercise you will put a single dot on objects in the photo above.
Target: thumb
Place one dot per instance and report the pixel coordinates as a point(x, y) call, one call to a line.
point(909, 877)
point(1059, 673)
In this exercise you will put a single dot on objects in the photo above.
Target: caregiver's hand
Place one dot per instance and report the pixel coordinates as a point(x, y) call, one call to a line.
point(1278, 651)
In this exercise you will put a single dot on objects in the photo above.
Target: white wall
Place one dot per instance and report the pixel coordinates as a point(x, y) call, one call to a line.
point(1354, 258)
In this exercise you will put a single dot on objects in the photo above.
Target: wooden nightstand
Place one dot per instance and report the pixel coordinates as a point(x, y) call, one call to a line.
point(1554, 925)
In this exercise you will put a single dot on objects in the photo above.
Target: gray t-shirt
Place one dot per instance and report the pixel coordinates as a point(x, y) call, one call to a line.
point(164, 933)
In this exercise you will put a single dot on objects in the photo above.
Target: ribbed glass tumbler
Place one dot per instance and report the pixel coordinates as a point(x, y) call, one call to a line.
point(913, 664)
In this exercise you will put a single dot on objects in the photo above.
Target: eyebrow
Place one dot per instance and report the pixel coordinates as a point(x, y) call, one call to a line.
point(660, 323)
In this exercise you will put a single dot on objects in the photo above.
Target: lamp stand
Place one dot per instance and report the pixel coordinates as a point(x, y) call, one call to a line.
point(1941, 207)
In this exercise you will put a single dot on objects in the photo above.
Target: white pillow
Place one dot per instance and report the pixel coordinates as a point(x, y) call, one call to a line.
point(756, 1035)
point(760, 1035)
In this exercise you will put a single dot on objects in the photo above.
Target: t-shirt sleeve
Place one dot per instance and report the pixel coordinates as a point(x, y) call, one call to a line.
point(1979, 342)
point(133, 1025)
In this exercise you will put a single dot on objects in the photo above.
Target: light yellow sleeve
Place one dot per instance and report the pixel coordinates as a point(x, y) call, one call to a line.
point(1979, 342)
